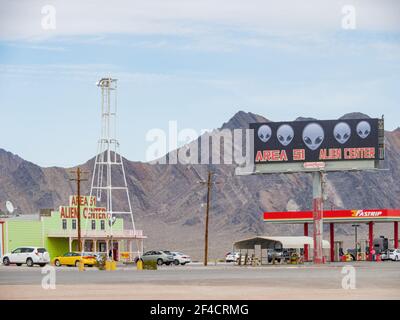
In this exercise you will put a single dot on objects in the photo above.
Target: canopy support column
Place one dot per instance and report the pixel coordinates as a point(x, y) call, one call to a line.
point(332, 240)
point(371, 239)
point(396, 235)
point(306, 245)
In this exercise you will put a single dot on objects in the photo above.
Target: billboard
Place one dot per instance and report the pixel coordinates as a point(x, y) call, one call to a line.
point(318, 141)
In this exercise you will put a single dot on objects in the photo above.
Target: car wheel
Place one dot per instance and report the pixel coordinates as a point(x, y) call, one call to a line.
point(29, 262)
point(6, 261)
point(397, 258)
point(168, 263)
point(176, 262)
point(160, 262)
point(57, 263)
point(19, 264)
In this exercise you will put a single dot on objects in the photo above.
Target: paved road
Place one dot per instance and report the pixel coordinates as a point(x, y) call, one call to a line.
point(373, 280)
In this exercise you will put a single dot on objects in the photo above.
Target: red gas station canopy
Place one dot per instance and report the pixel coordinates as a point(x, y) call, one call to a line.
point(336, 216)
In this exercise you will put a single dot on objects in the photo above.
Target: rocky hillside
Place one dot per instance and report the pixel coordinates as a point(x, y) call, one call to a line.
point(167, 200)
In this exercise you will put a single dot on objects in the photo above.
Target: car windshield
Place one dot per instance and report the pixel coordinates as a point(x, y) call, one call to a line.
point(41, 250)
point(167, 252)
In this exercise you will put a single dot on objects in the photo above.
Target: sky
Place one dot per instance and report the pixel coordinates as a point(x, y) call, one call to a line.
point(194, 62)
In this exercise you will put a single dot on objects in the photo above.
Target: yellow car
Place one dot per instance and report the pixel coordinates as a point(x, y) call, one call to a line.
point(74, 259)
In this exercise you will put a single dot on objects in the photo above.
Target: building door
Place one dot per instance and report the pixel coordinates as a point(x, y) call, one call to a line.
point(115, 251)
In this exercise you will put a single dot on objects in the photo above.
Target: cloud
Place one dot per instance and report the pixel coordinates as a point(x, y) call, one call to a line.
point(22, 19)
point(80, 72)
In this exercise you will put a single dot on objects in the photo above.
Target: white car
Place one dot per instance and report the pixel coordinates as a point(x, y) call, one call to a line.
point(232, 257)
point(28, 256)
point(394, 254)
point(180, 258)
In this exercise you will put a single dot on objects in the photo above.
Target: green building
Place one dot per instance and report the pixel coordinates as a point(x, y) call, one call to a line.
point(57, 231)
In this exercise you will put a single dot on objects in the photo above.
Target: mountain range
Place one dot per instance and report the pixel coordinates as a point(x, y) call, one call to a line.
point(167, 200)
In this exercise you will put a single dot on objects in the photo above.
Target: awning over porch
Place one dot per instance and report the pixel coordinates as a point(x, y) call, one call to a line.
point(278, 243)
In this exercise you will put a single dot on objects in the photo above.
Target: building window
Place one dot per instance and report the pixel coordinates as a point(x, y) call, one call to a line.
point(64, 224)
point(73, 224)
point(93, 224)
point(102, 225)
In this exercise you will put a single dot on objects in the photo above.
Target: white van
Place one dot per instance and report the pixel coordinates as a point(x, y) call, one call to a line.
point(28, 256)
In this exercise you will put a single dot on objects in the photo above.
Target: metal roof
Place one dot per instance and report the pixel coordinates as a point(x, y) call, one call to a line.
point(335, 216)
point(278, 242)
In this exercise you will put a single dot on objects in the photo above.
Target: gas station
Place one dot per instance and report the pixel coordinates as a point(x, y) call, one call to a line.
point(332, 217)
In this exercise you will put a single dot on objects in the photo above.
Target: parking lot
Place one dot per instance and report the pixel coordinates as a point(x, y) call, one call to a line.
point(222, 281)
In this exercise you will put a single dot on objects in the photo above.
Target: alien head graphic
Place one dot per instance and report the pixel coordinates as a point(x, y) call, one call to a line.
point(285, 134)
point(342, 132)
point(264, 133)
point(363, 129)
point(313, 135)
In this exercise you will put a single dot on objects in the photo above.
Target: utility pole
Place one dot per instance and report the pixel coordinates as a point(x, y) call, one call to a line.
point(209, 184)
point(209, 189)
point(206, 226)
point(78, 180)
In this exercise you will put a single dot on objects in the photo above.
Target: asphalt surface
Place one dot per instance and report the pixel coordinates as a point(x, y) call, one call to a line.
point(373, 280)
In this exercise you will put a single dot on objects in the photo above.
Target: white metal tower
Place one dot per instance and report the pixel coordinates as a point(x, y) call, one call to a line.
point(108, 179)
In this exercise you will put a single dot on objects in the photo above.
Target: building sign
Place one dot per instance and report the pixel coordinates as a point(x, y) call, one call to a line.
point(85, 201)
point(318, 141)
point(333, 216)
point(86, 212)
point(88, 209)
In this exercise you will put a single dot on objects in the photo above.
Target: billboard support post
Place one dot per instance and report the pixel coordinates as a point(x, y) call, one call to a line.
point(396, 235)
point(317, 216)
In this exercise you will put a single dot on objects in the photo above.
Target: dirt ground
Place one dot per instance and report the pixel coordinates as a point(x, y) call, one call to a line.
point(185, 292)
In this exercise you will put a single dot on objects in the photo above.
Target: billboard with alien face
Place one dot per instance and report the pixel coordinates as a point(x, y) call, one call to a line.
point(317, 141)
